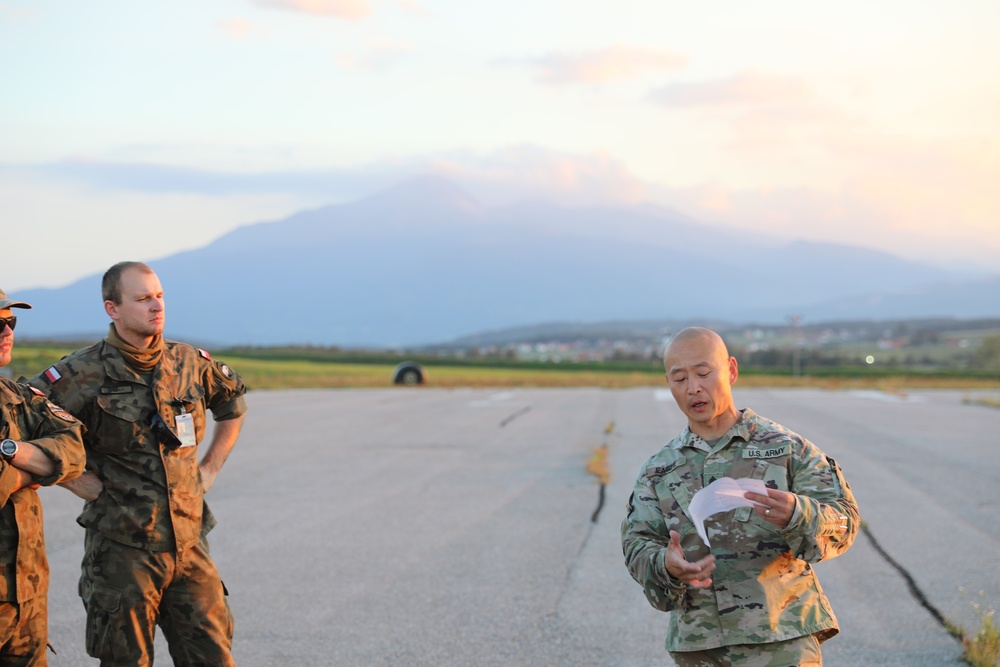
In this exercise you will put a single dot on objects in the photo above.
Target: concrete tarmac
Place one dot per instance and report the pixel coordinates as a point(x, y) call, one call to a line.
point(457, 527)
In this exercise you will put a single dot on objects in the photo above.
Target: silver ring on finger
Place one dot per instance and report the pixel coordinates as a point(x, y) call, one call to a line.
point(767, 512)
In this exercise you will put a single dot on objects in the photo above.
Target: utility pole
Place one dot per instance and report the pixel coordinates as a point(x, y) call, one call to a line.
point(796, 345)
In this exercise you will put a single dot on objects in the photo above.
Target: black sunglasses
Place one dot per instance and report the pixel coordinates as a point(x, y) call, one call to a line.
point(8, 322)
point(163, 432)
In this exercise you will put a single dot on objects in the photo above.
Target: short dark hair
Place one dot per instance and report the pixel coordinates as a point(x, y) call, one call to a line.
point(111, 284)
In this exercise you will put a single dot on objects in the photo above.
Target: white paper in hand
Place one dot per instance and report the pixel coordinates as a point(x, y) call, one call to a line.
point(722, 495)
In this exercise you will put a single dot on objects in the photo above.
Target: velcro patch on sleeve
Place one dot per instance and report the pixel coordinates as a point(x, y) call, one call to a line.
point(52, 375)
point(59, 412)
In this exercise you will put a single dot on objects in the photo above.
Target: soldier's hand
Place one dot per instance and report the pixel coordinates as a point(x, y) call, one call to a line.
point(776, 507)
point(25, 480)
point(88, 485)
point(208, 475)
point(693, 574)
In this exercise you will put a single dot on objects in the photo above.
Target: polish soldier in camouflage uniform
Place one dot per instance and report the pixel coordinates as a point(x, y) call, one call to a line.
point(752, 598)
point(144, 401)
point(40, 444)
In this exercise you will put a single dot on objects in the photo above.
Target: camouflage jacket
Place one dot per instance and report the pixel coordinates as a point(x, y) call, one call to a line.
point(763, 588)
point(153, 495)
point(26, 415)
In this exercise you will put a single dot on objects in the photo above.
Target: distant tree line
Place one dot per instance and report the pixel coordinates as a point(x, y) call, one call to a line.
point(987, 356)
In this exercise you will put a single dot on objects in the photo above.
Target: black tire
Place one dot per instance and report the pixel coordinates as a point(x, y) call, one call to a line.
point(408, 374)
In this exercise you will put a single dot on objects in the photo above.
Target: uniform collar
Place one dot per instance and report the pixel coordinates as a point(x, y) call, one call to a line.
point(119, 370)
point(742, 429)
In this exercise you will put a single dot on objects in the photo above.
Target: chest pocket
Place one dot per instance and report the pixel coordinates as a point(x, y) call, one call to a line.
point(775, 476)
point(120, 421)
point(190, 399)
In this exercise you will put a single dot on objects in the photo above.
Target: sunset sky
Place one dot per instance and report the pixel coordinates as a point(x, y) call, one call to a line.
point(133, 130)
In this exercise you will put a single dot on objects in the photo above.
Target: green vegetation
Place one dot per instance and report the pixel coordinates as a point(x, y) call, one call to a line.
point(935, 346)
point(28, 358)
point(314, 367)
point(983, 650)
point(983, 400)
point(987, 355)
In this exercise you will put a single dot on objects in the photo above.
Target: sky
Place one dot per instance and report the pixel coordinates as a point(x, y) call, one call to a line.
point(135, 130)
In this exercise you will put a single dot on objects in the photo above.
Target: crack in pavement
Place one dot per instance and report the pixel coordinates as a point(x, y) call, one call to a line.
point(915, 591)
point(514, 416)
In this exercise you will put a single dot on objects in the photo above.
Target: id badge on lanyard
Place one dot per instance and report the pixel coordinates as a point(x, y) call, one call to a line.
point(184, 426)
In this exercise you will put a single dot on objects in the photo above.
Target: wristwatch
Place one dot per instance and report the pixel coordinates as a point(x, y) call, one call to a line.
point(8, 448)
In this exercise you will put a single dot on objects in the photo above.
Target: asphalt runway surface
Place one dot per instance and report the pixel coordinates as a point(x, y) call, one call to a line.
point(460, 527)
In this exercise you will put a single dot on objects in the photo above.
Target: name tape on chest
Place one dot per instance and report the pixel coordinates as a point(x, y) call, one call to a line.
point(117, 389)
point(768, 453)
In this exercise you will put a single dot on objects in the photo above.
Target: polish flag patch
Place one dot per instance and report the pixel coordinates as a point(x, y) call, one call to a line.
point(52, 375)
point(204, 354)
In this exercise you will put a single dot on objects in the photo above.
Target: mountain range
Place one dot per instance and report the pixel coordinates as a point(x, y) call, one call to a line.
point(424, 263)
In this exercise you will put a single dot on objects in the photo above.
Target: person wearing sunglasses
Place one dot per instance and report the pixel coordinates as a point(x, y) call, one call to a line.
point(40, 445)
point(144, 401)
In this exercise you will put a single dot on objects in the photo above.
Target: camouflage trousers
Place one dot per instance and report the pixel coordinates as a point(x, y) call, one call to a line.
point(128, 591)
point(798, 652)
point(24, 630)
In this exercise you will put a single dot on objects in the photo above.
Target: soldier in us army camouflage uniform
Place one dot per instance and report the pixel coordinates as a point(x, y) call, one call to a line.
point(40, 444)
point(753, 598)
point(143, 400)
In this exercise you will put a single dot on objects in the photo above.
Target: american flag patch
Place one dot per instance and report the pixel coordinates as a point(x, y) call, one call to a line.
point(52, 375)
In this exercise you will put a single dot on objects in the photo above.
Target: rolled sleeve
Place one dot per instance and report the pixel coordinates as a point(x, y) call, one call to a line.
point(9, 482)
point(58, 435)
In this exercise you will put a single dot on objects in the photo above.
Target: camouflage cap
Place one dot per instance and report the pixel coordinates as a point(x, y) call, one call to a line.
point(10, 303)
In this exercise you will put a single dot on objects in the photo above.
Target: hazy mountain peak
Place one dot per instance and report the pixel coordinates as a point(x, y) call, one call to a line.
point(424, 262)
point(427, 191)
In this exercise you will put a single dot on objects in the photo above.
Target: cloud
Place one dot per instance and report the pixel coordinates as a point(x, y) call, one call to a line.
point(612, 64)
point(927, 200)
point(14, 13)
point(415, 7)
point(500, 177)
point(351, 10)
point(937, 186)
point(760, 115)
point(530, 172)
point(55, 219)
point(238, 28)
point(747, 89)
point(381, 55)
point(923, 200)
point(103, 176)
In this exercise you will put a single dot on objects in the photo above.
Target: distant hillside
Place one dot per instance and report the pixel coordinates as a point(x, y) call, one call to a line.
point(425, 263)
point(607, 334)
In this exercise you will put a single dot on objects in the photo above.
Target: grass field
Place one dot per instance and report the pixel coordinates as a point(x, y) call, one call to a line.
point(260, 372)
